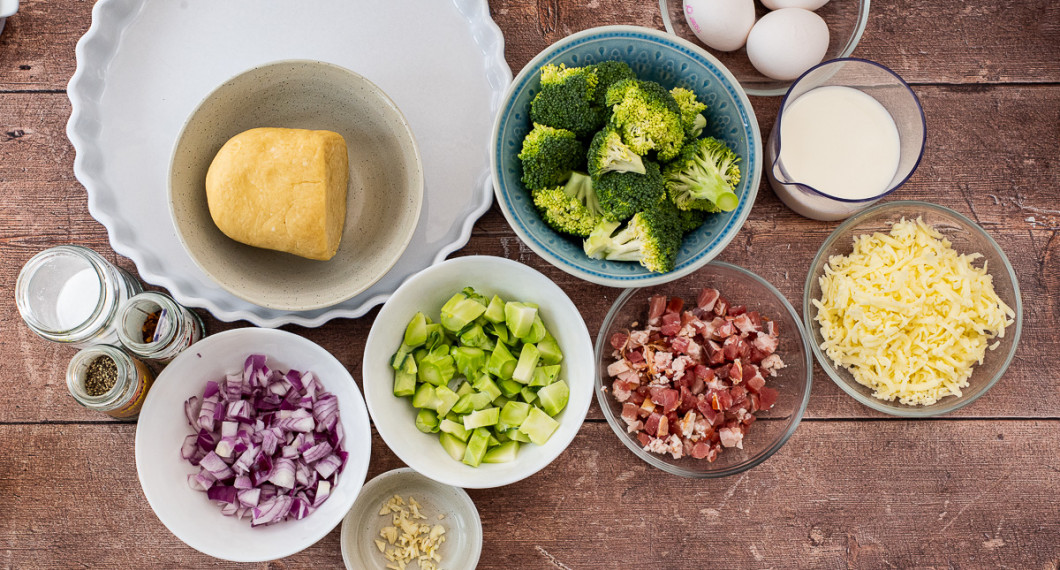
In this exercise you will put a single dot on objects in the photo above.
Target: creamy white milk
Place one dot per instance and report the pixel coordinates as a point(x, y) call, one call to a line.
point(840, 141)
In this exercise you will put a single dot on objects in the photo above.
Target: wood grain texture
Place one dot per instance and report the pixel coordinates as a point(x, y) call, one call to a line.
point(838, 495)
point(992, 154)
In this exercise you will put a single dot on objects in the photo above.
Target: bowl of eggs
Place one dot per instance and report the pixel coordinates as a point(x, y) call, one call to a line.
point(767, 44)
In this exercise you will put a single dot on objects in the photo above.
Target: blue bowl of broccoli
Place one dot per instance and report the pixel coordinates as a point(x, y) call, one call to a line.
point(626, 156)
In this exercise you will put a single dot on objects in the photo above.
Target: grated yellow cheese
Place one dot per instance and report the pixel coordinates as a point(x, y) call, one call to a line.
point(416, 542)
point(907, 315)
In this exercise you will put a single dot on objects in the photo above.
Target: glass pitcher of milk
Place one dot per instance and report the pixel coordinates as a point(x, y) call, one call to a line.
point(849, 132)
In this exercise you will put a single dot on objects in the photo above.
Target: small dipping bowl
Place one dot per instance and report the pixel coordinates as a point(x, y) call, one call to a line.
point(883, 85)
point(360, 528)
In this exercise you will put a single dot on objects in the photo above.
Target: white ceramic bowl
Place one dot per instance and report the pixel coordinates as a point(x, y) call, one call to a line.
point(427, 291)
point(188, 514)
point(360, 528)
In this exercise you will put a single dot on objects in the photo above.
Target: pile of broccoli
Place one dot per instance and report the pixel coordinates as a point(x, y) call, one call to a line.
point(619, 162)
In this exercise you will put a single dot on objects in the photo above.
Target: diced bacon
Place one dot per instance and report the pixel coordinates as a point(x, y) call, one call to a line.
point(744, 324)
point(629, 412)
point(707, 298)
point(739, 395)
point(635, 356)
point(652, 424)
point(630, 376)
point(736, 310)
point(635, 426)
point(731, 346)
point(621, 390)
point(700, 450)
point(721, 400)
point(664, 427)
point(668, 398)
point(682, 363)
point(671, 325)
point(755, 318)
point(723, 331)
point(721, 307)
point(755, 383)
point(663, 360)
point(749, 370)
point(646, 406)
point(771, 364)
point(721, 372)
point(688, 400)
point(715, 355)
point(754, 401)
point(680, 344)
point(618, 340)
point(675, 305)
point(687, 424)
point(698, 386)
point(636, 398)
point(638, 338)
point(731, 437)
point(736, 372)
point(766, 343)
point(644, 439)
point(695, 350)
point(617, 367)
point(656, 306)
point(767, 398)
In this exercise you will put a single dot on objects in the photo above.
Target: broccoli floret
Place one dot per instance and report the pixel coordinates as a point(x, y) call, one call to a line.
point(690, 220)
point(647, 117)
point(549, 156)
point(691, 111)
point(608, 73)
point(623, 194)
point(704, 177)
point(566, 98)
point(607, 153)
point(571, 209)
point(651, 237)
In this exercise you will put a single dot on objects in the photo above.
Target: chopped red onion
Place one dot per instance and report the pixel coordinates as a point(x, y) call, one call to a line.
point(267, 444)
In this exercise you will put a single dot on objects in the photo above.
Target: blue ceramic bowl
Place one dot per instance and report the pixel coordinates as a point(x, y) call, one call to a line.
point(655, 56)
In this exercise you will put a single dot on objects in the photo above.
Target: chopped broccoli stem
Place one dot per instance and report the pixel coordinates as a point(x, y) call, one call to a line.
point(549, 155)
point(704, 177)
point(607, 153)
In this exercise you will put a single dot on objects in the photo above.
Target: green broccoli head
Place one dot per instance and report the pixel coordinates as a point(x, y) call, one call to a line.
point(566, 100)
point(652, 237)
point(623, 194)
point(570, 209)
point(704, 177)
point(690, 220)
point(549, 156)
point(608, 73)
point(691, 111)
point(607, 153)
point(647, 117)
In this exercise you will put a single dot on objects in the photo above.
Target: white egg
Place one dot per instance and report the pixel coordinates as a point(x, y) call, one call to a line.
point(787, 42)
point(721, 24)
point(804, 4)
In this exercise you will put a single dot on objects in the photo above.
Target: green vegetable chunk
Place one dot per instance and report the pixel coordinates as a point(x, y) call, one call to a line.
point(404, 383)
point(704, 177)
point(477, 445)
point(427, 421)
point(452, 445)
point(424, 396)
point(514, 413)
point(416, 331)
point(454, 428)
point(566, 99)
point(549, 156)
point(495, 310)
point(652, 237)
point(502, 453)
point(545, 375)
point(647, 116)
point(524, 370)
point(444, 400)
point(501, 363)
point(482, 418)
point(549, 349)
point(553, 398)
point(468, 360)
point(519, 317)
point(460, 310)
point(538, 426)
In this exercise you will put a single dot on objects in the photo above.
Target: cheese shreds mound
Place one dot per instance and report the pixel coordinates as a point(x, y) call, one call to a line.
point(907, 315)
point(408, 540)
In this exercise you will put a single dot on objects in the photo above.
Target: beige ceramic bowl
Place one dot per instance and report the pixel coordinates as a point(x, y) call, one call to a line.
point(383, 202)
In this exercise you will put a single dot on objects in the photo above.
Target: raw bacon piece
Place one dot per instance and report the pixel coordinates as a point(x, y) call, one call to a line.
point(707, 298)
point(656, 306)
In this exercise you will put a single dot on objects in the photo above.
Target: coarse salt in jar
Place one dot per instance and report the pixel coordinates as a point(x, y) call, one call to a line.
point(155, 327)
point(106, 379)
point(69, 294)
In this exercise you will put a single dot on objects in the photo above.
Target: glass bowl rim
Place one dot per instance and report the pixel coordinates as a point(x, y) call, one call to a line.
point(889, 408)
point(657, 461)
point(851, 45)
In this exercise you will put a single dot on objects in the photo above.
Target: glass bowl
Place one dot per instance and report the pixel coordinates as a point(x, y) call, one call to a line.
point(846, 21)
point(772, 428)
point(967, 238)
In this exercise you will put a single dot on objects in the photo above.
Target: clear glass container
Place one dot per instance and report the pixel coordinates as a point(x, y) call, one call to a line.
point(171, 326)
point(131, 378)
point(69, 294)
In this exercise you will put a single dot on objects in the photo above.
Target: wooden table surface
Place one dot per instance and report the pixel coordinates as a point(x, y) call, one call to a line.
point(852, 488)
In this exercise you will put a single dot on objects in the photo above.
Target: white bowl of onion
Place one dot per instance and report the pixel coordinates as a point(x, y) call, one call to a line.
point(169, 480)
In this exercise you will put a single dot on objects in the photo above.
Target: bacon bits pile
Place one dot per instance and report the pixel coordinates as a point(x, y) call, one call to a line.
point(691, 381)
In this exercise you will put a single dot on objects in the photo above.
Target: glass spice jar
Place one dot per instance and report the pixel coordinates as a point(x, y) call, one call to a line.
point(69, 294)
point(155, 327)
point(106, 379)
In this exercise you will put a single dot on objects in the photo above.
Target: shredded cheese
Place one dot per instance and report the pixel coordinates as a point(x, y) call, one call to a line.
point(408, 540)
point(907, 315)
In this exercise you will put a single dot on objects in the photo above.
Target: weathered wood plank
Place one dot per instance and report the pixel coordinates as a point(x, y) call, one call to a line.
point(936, 42)
point(839, 494)
point(992, 153)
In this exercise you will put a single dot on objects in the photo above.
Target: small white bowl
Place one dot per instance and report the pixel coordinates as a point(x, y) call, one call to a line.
point(427, 291)
point(360, 528)
point(187, 513)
